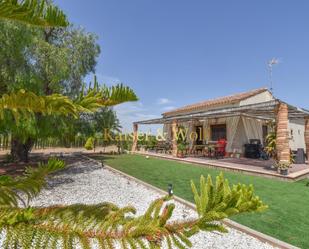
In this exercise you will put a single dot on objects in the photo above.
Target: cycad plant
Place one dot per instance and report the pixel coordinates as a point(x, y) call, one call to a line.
point(89, 145)
point(108, 226)
point(271, 143)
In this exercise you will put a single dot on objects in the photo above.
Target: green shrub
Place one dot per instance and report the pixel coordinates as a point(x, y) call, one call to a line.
point(8, 158)
point(182, 147)
point(151, 142)
point(5, 179)
point(89, 143)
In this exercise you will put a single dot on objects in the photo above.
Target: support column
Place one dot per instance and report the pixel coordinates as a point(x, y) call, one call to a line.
point(282, 140)
point(190, 132)
point(174, 128)
point(307, 136)
point(135, 137)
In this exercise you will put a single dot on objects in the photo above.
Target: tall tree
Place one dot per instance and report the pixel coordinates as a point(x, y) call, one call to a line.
point(46, 64)
point(15, 42)
point(50, 63)
point(45, 116)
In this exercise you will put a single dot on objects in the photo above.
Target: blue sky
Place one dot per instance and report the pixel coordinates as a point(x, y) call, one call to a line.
point(174, 53)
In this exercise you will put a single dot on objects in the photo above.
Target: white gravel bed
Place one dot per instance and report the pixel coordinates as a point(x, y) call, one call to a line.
point(88, 182)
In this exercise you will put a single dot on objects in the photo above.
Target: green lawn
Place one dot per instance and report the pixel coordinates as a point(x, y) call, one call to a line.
point(287, 217)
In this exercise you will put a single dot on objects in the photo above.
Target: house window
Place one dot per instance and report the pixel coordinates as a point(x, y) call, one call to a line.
point(218, 132)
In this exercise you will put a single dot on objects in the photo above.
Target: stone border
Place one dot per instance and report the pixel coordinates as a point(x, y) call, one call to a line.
point(258, 235)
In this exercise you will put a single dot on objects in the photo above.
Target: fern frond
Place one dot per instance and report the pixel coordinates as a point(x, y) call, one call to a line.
point(220, 201)
point(106, 96)
point(116, 95)
point(24, 104)
point(108, 225)
point(33, 12)
point(88, 102)
point(23, 189)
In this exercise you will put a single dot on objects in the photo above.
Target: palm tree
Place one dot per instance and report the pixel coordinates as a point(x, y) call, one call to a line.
point(23, 105)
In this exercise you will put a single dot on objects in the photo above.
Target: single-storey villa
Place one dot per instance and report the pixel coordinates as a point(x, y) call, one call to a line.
point(239, 119)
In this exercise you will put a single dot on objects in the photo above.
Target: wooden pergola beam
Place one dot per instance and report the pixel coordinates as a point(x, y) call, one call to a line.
point(174, 128)
point(135, 137)
point(259, 109)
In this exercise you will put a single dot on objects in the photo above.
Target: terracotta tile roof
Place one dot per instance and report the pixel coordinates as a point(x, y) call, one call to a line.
point(235, 98)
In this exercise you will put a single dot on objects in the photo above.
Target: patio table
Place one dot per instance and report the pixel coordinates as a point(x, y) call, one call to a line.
point(199, 147)
point(210, 150)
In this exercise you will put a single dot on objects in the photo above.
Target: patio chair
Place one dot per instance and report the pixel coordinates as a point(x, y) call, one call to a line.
point(163, 147)
point(220, 148)
point(210, 151)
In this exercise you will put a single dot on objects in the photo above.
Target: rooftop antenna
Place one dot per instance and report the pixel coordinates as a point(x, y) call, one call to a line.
point(270, 64)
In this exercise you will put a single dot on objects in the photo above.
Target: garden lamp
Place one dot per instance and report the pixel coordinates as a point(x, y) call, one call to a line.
point(170, 189)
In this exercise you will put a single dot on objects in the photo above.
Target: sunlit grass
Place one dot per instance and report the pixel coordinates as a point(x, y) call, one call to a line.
point(286, 219)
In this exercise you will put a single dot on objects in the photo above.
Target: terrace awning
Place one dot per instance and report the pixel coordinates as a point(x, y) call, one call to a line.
point(265, 110)
point(270, 110)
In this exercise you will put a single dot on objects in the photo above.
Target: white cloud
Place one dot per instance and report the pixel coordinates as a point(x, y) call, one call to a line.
point(131, 112)
point(163, 101)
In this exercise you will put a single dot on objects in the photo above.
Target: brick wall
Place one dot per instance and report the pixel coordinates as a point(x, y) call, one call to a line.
point(307, 135)
point(282, 142)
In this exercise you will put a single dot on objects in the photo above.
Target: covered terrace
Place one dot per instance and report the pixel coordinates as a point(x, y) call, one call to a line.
point(274, 110)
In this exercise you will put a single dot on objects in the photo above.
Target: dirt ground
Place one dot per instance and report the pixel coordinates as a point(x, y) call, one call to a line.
point(42, 155)
point(107, 149)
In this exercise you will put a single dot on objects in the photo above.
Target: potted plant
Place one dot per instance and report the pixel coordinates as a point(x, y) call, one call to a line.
point(283, 167)
point(181, 142)
point(181, 148)
point(271, 145)
point(236, 154)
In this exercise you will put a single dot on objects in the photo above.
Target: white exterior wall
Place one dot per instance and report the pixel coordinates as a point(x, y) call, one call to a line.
point(259, 98)
point(297, 140)
point(297, 134)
